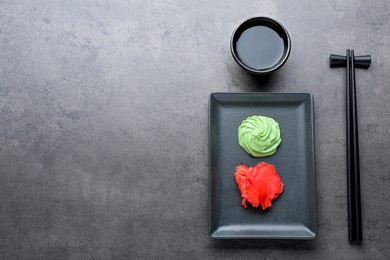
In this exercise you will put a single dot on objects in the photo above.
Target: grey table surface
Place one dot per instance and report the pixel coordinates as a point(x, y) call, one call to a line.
point(103, 125)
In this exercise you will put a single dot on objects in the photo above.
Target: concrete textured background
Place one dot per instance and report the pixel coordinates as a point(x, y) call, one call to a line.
point(103, 124)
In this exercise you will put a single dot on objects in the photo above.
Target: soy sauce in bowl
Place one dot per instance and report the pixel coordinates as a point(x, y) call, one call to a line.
point(260, 45)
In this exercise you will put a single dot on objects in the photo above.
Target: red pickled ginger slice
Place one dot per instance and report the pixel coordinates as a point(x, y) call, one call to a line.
point(258, 185)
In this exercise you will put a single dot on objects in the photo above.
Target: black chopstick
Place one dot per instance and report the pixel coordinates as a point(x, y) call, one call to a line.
point(350, 175)
point(356, 234)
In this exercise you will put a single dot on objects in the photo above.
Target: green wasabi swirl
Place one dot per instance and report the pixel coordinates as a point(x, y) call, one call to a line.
point(259, 136)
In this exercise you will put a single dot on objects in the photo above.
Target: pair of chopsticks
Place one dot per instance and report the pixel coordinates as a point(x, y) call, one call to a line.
point(353, 168)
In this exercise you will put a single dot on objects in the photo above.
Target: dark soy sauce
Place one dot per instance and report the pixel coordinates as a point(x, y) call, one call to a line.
point(260, 47)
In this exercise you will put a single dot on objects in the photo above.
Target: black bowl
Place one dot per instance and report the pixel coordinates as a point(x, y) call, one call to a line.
point(282, 48)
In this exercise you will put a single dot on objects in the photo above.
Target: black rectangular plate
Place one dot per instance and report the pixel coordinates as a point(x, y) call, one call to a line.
point(293, 215)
